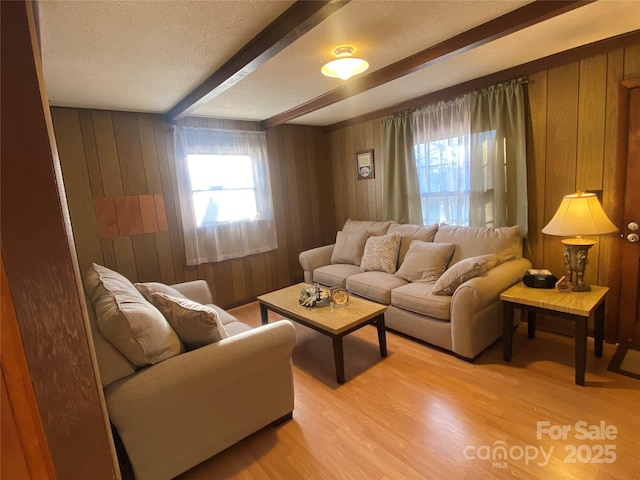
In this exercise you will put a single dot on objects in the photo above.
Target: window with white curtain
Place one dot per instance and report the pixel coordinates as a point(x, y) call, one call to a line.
point(461, 162)
point(442, 135)
point(225, 193)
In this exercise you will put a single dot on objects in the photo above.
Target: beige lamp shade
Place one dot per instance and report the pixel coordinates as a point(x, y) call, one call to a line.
point(580, 214)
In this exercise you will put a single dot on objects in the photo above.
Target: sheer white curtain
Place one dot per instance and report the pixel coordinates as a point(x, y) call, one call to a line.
point(441, 136)
point(225, 193)
point(499, 156)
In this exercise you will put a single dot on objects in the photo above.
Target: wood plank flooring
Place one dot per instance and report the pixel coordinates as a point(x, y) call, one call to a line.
point(424, 414)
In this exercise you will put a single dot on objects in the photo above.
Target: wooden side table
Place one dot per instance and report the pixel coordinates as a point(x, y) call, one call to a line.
point(575, 306)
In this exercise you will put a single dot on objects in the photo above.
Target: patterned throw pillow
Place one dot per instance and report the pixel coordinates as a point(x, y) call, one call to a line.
point(462, 271)
point(381, 253)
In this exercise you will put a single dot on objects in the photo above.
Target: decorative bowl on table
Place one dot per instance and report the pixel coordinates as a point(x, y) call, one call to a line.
point(313, 296)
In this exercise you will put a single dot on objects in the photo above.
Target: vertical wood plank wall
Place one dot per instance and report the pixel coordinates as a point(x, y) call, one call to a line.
point(111, 154)
point(571, 146)
point(571, 143)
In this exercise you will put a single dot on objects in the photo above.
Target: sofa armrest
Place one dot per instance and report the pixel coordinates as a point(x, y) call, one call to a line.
point(315, 258)
point(196, 290)
point(173, 415)
point(476, 316)
point(210, 367)
point(485, 289)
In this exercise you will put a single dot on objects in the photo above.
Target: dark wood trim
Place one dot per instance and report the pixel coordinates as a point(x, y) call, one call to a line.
point(561, 58)
point(297, 20)
point(509, 23)
point(30, 439)
point(40, 264)
point(617, 216)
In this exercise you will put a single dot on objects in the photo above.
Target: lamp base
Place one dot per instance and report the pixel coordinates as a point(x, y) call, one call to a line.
point(575, 261)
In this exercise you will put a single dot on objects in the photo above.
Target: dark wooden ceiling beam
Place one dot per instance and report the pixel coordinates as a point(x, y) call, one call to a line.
point(511, 22)
point(297, 20)
point(557, 59)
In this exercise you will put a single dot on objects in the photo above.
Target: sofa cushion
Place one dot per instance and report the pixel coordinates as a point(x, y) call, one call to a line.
point(462, 271)
point(197, 325)
point(375, 286)
point(335, 275)
point(381, 253)
point(410, 233)
point(425, 261)
point(417, 297)
point(130, 323)
point(505, 242)
point(372, 228)
point(349, 247)
point(149, 288)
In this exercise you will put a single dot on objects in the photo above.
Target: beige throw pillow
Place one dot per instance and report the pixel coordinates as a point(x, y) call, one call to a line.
point(197, 325)
point(463, 271)
point(425, 261)
point(349, 248)
point(381, 253)
point(130, 323)
point(410, 233)
point(149, 288)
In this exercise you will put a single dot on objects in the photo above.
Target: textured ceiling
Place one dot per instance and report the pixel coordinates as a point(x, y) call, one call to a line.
point(147, 55)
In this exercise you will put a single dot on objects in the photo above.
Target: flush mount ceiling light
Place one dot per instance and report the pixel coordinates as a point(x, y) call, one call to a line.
point(345, 66)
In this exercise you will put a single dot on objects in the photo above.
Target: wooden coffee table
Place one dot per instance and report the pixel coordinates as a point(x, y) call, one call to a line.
point(333, 322)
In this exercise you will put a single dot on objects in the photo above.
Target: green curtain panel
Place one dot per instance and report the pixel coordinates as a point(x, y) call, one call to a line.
point(498, 157)
point(400, 191)
point(461, 162)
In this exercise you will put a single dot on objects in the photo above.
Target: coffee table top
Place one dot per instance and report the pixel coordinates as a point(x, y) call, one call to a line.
point(575, 303)
point(330, 319)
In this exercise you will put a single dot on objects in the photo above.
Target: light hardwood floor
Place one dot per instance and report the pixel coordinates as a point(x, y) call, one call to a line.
point(424, 414)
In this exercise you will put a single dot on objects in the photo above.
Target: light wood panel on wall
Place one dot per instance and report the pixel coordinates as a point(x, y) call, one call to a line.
point(127, 155)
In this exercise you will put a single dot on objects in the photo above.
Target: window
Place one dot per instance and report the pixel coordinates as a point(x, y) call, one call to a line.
point(225, 194)
point(443, 178)
point(223, 188)
point(444, 175)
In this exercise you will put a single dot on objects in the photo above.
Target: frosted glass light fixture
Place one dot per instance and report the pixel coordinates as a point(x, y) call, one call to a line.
point(345, 66)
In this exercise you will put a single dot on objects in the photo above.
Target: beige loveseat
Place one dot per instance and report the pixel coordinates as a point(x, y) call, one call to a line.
point(173, 402)
point(441, 283)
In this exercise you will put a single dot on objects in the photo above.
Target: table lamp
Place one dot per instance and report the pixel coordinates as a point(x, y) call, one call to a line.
point(579, 214)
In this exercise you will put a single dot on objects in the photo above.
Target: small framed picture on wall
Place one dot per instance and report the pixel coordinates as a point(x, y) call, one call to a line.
point(365, 165)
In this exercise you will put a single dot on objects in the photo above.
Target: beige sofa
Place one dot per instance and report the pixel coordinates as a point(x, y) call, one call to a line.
point(442, 284)
point(184, 406)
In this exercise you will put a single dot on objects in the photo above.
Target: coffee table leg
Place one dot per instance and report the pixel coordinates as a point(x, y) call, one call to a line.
point(264, 314)
point(507, 338)
point(382, 336)
point(581, 349)
point(599, 329)
point(338, 357)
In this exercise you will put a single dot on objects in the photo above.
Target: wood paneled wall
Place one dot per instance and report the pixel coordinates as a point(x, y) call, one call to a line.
point(571, 146)
point(356, 199)
point(115, 154)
